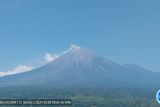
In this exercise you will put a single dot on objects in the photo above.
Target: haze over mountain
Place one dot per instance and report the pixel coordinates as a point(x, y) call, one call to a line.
point(82, 67)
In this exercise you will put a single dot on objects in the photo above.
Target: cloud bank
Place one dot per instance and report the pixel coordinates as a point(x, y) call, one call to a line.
point(25, 68)
point(48, 57)
point(18, 69)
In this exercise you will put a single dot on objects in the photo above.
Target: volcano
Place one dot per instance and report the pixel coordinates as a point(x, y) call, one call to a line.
point(82, 67)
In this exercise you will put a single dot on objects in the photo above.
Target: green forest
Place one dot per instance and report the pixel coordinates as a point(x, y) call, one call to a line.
point(88, 97)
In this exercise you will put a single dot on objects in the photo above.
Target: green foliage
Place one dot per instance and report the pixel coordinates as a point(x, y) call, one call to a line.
point(84, 97)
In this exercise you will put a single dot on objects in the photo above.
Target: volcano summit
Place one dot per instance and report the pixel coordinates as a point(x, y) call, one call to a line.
point(82, 67)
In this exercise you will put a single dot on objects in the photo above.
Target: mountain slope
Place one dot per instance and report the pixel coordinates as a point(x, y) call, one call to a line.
point(81, 67)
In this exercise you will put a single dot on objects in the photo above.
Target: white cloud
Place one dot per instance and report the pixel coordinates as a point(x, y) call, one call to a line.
point(24, 68)
point(47, 57)
point(72, 48)
point(50, 57)
point(18, 69)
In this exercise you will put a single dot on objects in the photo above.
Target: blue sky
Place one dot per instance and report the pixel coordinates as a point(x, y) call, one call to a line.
point(125, 31)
